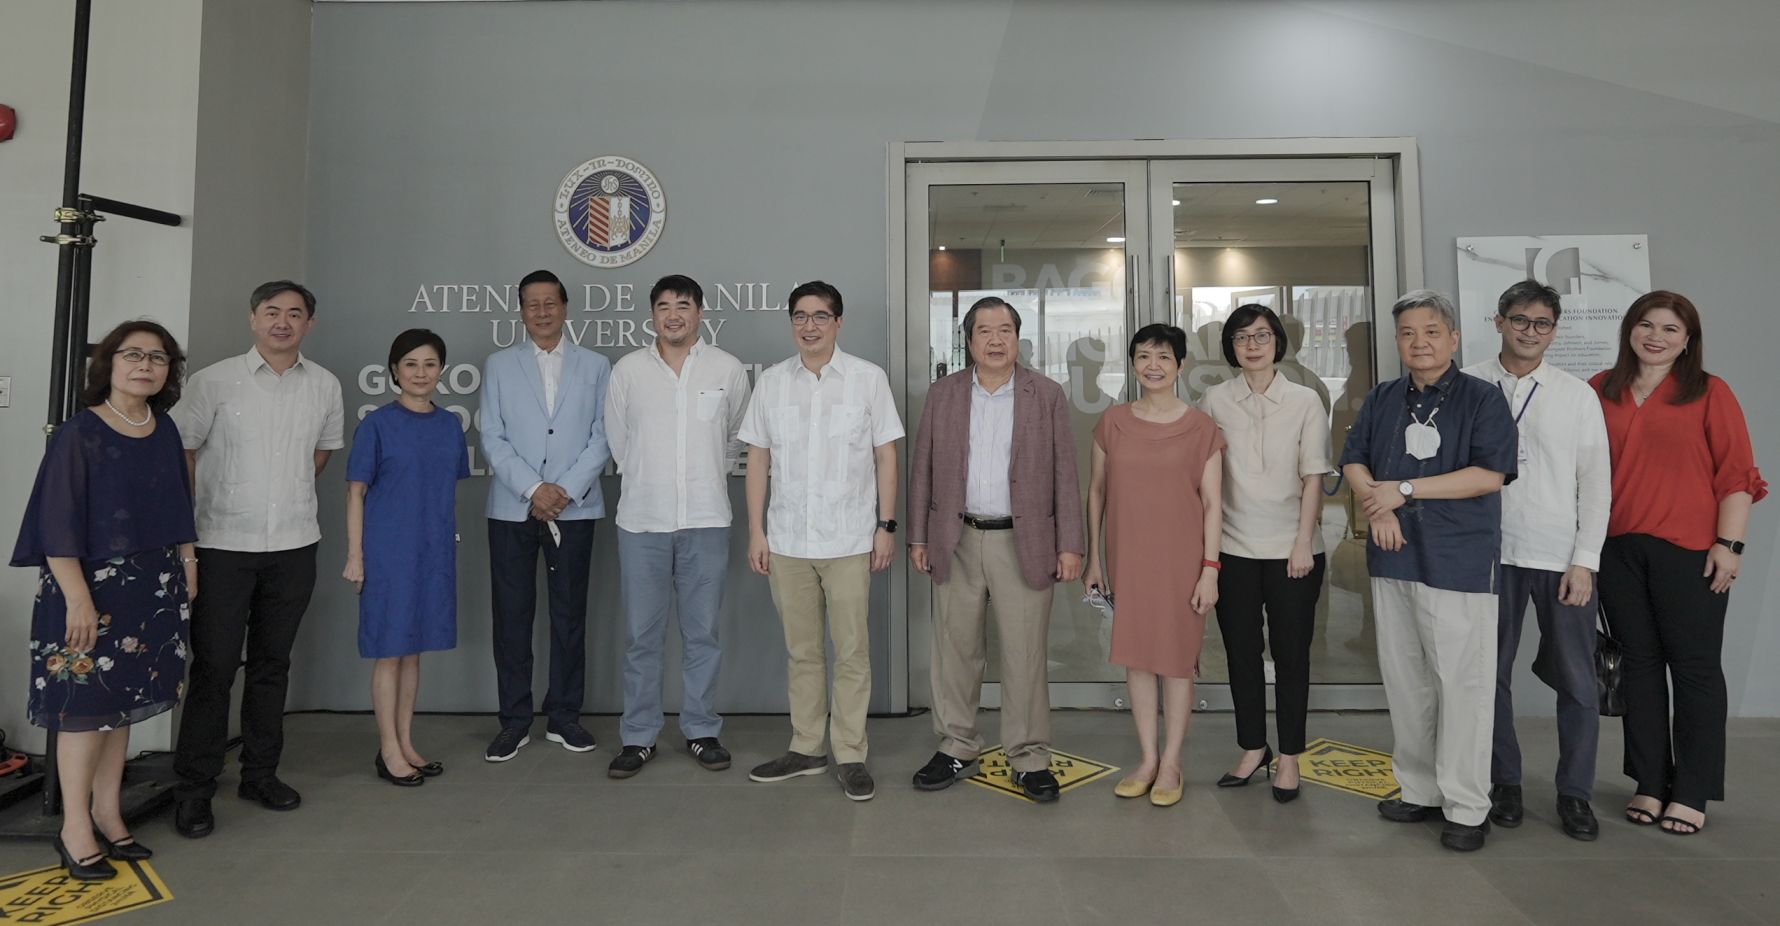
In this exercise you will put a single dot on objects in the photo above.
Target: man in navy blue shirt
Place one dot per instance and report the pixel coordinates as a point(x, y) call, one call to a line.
point(1426, 458)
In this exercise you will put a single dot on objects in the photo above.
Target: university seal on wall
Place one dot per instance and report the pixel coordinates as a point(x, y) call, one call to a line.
point(610, 211)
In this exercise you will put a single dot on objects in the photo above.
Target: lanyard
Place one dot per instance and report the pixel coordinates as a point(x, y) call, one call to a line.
point(1523, 406)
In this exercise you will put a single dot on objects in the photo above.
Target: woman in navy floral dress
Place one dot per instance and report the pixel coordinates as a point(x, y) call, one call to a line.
point(109, 526)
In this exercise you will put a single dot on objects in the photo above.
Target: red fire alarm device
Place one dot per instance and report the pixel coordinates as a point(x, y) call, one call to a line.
point(9, 120)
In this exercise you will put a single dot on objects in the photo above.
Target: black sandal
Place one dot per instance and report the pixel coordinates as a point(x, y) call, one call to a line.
point(1673, 822)
point(1638, 816)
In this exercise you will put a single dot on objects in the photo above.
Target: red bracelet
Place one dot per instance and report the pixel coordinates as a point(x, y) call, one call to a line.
point(1212, 563)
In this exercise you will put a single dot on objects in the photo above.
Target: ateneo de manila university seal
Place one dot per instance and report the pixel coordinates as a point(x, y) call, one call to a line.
point(610, 211)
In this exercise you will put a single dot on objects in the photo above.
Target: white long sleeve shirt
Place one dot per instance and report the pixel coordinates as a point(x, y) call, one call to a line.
point(1554, 515)
point(674, 437)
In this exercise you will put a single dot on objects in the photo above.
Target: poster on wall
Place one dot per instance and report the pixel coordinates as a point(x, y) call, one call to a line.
point(1597, 276)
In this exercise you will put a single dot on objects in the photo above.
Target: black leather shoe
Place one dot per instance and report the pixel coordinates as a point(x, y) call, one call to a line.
point(709, 753)
point(1505, 806)
point(413, 779)
point(1578, 819)
point(1399, 811)
point(270, 793)
point(1461, 838)
point(124, 850)
point(193, 819)
point(1041, 785)
point(941, 770)
point(91, 868)
point(431, 770)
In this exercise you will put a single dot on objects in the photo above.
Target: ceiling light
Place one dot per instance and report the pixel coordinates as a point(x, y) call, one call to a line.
point(1266, 202)
point(1115, 241)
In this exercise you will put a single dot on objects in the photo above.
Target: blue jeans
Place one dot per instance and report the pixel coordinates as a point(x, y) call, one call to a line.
point(690, 566)
point(1566, 662)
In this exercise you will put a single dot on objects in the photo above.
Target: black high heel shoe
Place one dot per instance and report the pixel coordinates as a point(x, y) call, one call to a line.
point(125, 850)
point(1231, 781)
point(1287, 795)
point(92, 868)
point(410, 780)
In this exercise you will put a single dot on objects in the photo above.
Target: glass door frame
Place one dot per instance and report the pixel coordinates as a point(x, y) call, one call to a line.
point(1392, 168)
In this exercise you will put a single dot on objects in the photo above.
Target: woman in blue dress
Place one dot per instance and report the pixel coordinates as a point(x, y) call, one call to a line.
point(109, 528)
point(401, 544)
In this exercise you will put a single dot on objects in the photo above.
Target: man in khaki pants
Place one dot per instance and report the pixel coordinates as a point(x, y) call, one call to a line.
point(821, 428)
point(995, 510)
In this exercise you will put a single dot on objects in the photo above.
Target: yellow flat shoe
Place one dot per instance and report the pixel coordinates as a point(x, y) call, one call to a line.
point(1166, 797)
point(1133, 787)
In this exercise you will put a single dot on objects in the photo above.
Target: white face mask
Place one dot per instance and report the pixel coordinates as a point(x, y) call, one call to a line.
point(1420, 438)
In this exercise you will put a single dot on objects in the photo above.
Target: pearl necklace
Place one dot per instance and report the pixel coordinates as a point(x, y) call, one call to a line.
point(120, 413)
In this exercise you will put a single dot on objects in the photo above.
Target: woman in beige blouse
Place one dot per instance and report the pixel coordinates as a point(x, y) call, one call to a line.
point(1277, 435)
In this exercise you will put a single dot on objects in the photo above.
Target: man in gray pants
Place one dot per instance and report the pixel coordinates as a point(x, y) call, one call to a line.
point(1554, 520)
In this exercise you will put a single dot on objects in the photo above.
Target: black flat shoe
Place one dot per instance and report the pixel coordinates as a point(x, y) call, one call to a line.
point(411, 780)
point(1506, 808)
point(193, 818)
point(1232, 781)
point(92, 868)
point(126, 849)
point(270, 793)
point(1578, 819)
point(430, 770)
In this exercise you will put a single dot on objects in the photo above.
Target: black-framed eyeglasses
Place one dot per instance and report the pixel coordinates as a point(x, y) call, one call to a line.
point(1259, 338)
point(1539, 325)
point(822, 319)
point(132, 355)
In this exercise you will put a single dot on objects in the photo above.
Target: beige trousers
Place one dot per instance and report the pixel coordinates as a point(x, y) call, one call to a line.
point(986, 566)
point(810, 593)
point(1437, 655)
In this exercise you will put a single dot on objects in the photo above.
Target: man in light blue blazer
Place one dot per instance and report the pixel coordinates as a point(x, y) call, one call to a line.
point(544, 437)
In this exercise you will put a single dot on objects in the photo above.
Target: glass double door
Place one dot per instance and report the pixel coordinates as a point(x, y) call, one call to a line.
point(1091, 251)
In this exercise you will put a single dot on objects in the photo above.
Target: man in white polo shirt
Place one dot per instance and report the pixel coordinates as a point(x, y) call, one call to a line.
point(822, 431)
point(672, 411)
point(258, 428)
point(1554, 521)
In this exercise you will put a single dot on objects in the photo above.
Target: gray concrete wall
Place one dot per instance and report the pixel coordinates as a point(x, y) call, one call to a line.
point(440, 131)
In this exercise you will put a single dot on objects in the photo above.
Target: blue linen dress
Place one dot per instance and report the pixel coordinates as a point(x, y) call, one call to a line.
point(412, 462)
point(121, 505)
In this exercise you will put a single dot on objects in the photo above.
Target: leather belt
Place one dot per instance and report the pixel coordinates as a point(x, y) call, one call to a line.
point(988, 524)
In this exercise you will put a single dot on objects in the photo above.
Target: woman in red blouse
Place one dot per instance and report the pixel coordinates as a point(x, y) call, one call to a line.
point(1684, 477)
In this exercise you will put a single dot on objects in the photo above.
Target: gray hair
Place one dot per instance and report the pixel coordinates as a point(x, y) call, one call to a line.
point(1427, 299)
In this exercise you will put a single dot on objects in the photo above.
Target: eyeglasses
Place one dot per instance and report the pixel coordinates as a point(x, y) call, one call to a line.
point(799, 319)
point(1539, 325)
point(1259, 338)
point(132, 355)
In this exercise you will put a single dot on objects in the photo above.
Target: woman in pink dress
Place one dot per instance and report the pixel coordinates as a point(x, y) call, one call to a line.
point(1157, 483)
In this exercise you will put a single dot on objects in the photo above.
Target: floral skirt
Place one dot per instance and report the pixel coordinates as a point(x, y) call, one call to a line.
point(137, 669)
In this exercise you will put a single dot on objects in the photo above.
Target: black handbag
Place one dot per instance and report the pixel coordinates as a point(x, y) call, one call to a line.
point(1609, 668)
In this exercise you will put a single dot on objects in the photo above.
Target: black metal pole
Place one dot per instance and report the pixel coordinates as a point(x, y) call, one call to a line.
point(68, 241)
point(62, 372)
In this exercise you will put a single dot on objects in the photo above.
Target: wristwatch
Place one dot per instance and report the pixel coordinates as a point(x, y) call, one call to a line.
point(1736, 546)
point(1407, 488)
point(889, 527)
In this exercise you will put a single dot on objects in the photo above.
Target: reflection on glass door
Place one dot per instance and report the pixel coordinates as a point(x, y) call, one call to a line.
point(1060, 254)
point(1303, 250)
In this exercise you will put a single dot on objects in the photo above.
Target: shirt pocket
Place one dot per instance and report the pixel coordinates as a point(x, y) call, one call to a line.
point(708, 404)
point(846, 428)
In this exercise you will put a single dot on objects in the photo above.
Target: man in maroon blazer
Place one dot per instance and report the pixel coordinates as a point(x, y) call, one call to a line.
point(994, 510)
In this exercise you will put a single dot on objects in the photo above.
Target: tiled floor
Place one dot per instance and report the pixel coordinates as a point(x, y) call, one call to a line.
point(547, 838)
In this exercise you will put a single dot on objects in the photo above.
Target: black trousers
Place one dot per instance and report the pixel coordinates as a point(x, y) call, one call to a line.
point(1671, 625)
point(1246, 588)
point(251, 600)
point(513, 548)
